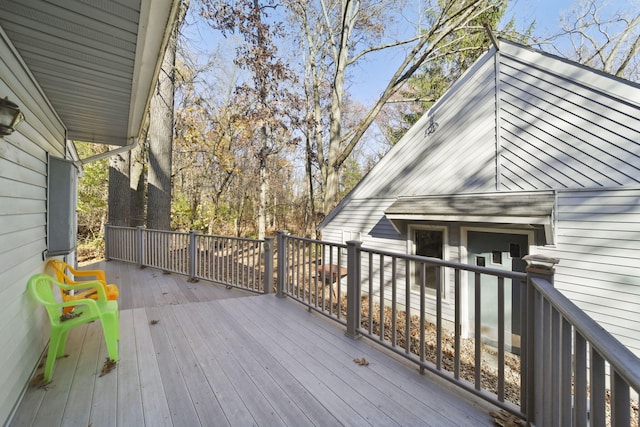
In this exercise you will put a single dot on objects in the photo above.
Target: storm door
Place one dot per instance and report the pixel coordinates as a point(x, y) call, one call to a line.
point(500, 251)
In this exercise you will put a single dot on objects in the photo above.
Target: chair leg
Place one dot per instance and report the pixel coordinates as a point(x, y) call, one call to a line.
point(110, 330)
point(52, 353)
point(62, 344)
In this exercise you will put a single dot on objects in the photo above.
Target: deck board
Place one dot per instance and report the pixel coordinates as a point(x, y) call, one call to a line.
point(204, 400)
point(385, 371)
point(204, 350)
point(334, 376)
point(105, 394)
point(221, 357)
point(340, 365)
point(154, 402)
point(76, 411)
point(177, 394)
point(129, 394)
point(249, 373)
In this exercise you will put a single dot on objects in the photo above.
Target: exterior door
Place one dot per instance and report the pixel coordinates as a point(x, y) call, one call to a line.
point(503, 251)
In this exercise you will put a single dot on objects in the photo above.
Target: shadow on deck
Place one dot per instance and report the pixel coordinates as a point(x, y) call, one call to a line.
point(221, 356)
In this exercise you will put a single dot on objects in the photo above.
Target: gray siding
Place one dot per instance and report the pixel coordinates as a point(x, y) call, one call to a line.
point(458, 156)
point(563, 127)
point(23, 171)
point(365, 216)
point(598, 242)
point(560, 126)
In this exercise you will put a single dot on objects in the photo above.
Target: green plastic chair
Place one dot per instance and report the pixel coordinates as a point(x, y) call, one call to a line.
point(40, 287)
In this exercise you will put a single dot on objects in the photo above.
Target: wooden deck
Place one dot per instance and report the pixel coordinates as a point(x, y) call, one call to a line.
point(221, 356)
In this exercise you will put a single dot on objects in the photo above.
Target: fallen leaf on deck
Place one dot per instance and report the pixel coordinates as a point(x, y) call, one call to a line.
point(109, 364)
point(505, 419)
point(69, 316)
point(37, 380)
point(361, 361)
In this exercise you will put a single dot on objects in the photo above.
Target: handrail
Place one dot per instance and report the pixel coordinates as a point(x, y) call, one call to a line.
point(560, 381)
point(232, 261)
point(619, 357)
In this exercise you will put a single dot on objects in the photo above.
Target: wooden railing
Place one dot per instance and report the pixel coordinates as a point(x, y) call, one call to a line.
point(231, 261)
point(557, 368)
point(539, 357)
point(578, 373)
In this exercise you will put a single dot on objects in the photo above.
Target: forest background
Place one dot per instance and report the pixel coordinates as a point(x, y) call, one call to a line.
point(268, 112)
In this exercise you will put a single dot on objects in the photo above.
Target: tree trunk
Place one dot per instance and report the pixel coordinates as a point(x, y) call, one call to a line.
point(265, 133)
point(137, 186)
point(160, 142)
point(349, 13)
point(264, 183)
point(119, 194)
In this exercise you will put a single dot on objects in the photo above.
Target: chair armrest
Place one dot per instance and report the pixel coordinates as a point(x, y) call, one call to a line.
point(98, 286)
point(61, 268)
point(93, 305)
point(98, 274)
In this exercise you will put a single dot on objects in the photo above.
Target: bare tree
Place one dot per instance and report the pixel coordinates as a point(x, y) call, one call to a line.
point(119, 193)
point(596, 35)
point(160, 135)
point(269, 79)
point(160, 146)
point(339, 34)
point(137, 185)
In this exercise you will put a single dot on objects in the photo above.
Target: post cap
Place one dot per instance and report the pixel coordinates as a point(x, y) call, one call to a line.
point(540, 261)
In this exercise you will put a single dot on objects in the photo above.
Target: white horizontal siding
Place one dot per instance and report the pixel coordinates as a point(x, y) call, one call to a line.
point(595, 80)
point(365, 216)
point(558, 133)
point(561, 126)
point(23, 192)
point(598, 241)
point(459, 156)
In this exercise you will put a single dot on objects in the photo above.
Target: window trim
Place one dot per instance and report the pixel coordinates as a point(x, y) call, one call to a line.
point(349, 235)
point(411, 250)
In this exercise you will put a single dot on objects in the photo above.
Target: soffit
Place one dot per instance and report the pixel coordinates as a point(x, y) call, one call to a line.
point(486, 204)
point(95, 60)
point(528, 208)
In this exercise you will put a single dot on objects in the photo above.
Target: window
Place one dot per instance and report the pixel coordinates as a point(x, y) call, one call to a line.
point(61, 207)
point(351, 235)
point(429, 242)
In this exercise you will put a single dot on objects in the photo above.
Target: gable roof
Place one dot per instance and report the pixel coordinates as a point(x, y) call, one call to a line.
point(96, 61)
point(518, 120)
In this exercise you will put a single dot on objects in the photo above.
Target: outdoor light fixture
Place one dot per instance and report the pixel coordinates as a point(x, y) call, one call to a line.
point(10, 116)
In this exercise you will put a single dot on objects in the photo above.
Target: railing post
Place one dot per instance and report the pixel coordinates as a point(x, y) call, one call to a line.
point(538, 266)
point(139, 246)
point(192, 256)
point(107, 243)
point(353, 288)
point(268, 264)
point(282, 262)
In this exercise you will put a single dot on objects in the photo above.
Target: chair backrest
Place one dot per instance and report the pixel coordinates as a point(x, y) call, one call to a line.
point(39, 286)
point(60, 269)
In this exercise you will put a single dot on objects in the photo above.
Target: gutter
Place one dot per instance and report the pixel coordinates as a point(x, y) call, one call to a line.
point(81, 162)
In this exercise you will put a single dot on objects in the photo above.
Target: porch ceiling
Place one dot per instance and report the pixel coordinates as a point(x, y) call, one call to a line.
point(95, 60)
